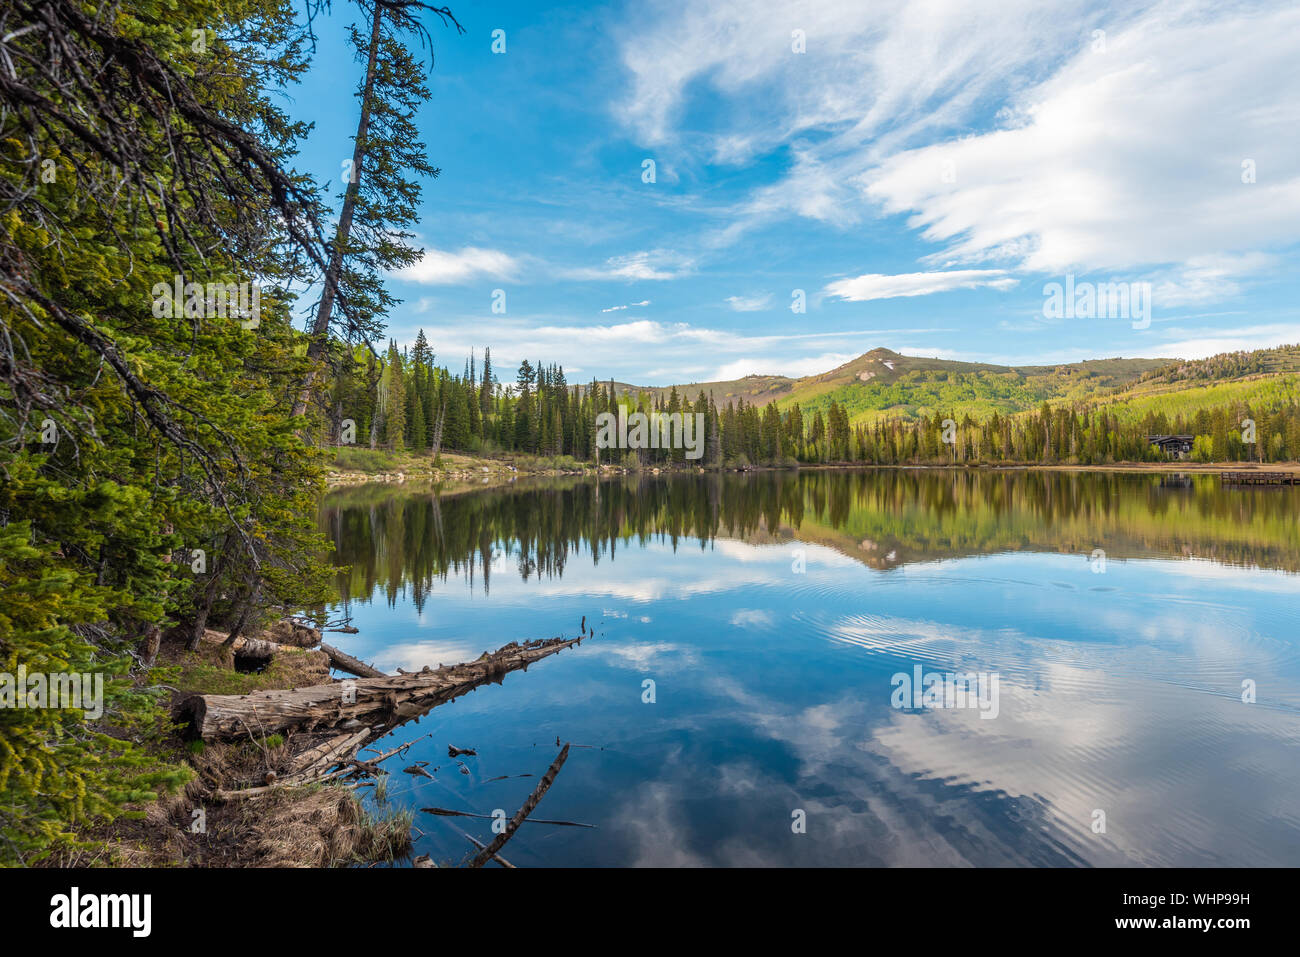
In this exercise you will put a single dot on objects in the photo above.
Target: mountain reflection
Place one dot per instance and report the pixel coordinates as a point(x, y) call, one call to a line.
point(394, 539)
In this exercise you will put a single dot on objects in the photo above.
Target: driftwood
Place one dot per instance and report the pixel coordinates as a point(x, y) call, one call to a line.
point(354, 764)
point(378, 702)
point(353, 666)
point(498, 842)
point(307, 767)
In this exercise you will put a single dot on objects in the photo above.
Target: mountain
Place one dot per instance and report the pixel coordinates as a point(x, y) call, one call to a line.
point(883, 384)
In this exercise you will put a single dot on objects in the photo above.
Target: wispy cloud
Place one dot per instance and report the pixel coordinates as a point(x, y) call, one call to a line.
point(1142, 147)
point(772, 365)
point(440, 267)
point(652, 264)
point(681, 352)
point(630, 305)
point(1212, 342)
point(878, 286)
point(1136, 154)
point(750, 303)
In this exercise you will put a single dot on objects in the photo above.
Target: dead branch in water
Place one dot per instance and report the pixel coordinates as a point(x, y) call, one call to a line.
point(449, 812)
point(496, 857)
point(487, 853)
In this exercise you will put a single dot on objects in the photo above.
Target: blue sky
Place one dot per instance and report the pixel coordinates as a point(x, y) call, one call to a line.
point(921, 171)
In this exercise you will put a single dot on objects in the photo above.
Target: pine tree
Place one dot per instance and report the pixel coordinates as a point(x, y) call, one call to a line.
point(485, 392)
point(382, 195)
point(395, 406)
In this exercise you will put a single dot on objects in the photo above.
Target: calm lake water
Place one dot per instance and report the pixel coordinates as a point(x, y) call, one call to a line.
point(1121, 614)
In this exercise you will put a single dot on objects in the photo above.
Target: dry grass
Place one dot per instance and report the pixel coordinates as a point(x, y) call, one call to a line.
point(316, 827)
point(324, 826)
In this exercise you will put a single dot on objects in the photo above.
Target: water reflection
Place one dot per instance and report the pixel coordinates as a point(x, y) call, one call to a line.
point(771, 610)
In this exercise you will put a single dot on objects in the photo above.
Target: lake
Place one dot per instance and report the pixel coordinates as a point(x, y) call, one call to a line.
point(768, 683)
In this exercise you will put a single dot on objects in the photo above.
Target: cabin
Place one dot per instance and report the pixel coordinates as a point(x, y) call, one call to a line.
point(1174, 446)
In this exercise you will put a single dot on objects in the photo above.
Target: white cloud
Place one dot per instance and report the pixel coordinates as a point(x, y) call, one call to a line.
point(1205, 344)
point(652, 264)
point(870, 65)
point(878, 286)
point(438, 267)
point(682, 352)
point(875, 78)
point(750, 303)
point(1125, 159)
point(1206, 279)
point(630, 305)
point(1128, 157)
point(812, 365)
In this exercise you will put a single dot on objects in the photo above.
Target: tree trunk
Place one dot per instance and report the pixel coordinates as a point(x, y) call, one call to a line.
point(380, 702)
point(437, 429)
point(244, 613)
point(149, 643)
point(321, 326)
point(200, 624)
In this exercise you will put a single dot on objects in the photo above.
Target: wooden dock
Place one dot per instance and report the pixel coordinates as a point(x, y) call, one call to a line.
point(1260, 478)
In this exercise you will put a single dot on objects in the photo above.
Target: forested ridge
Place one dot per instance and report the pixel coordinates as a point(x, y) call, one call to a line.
point(1234, 406)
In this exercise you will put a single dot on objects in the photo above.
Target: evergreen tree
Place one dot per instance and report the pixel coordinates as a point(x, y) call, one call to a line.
point(382, 192)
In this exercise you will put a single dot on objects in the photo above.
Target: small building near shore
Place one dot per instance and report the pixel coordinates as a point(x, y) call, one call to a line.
point(1174, 446)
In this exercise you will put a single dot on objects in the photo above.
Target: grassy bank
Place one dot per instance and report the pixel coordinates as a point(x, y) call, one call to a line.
point(318, 825)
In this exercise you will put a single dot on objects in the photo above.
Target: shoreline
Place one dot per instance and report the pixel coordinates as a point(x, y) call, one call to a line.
point(458, 481)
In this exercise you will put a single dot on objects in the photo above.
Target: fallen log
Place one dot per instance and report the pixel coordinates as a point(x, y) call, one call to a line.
point(378, 702)
point(353, 666)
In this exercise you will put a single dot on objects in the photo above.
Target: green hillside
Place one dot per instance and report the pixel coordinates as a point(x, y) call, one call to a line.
point(882, 385)
point(885, 385)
